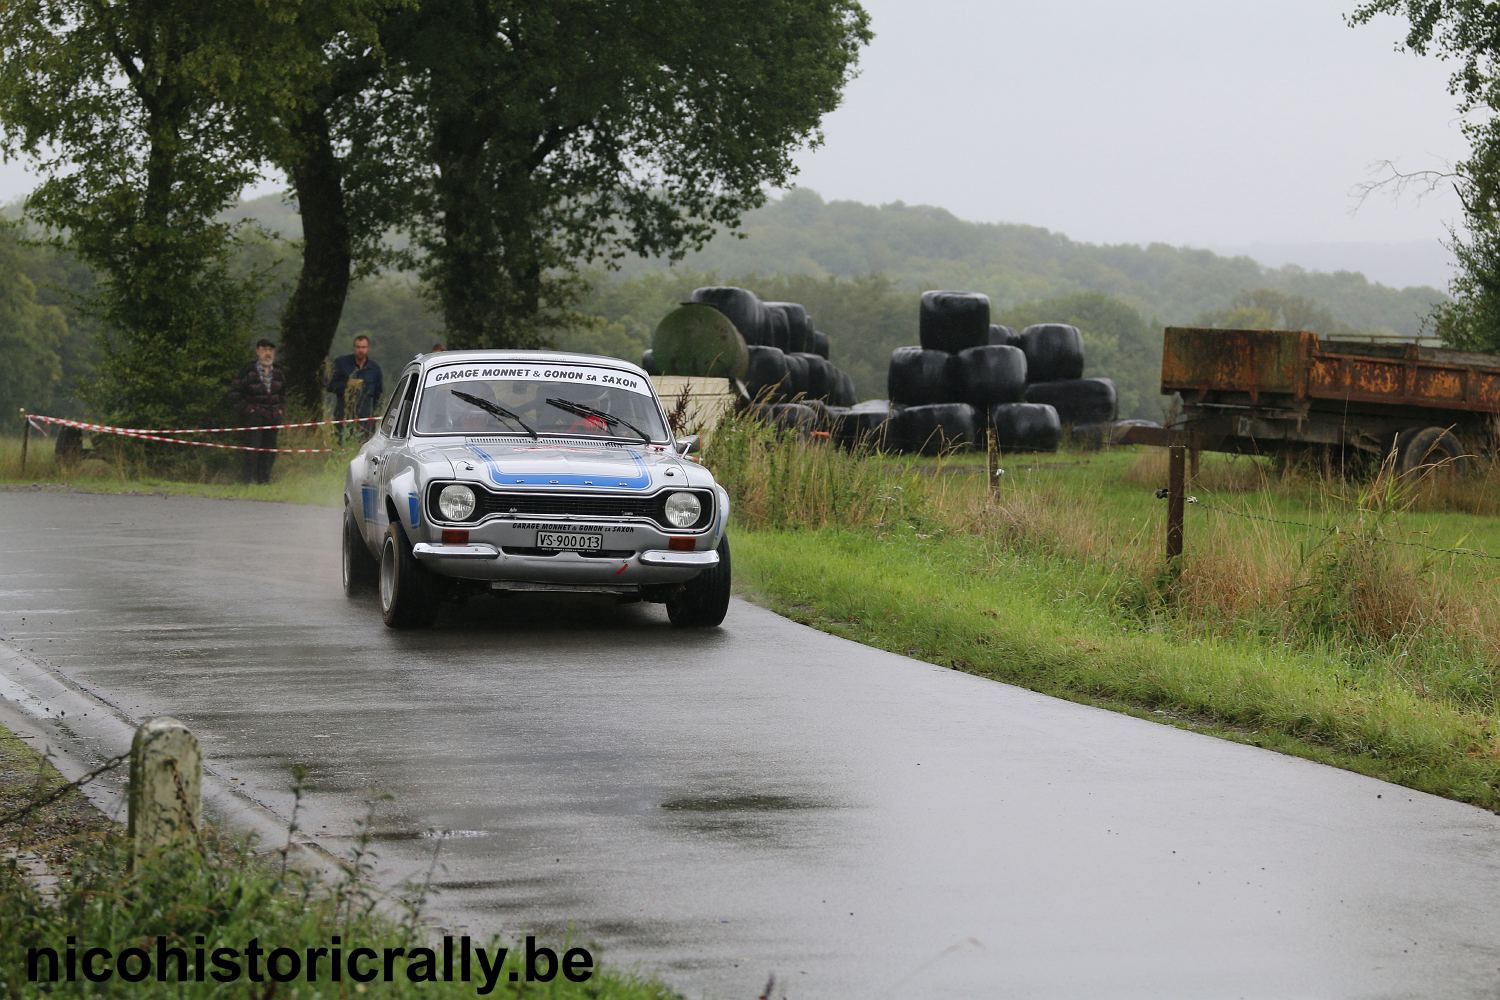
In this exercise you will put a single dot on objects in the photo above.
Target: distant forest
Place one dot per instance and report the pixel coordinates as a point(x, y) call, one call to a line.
point(859, 270)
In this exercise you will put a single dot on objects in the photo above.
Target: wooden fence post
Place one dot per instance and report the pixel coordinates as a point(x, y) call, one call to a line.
point(1175, 498)
point(166, 787)
point(25, 436)
point(991, 461)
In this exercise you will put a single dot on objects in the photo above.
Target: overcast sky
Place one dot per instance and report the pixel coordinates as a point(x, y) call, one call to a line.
point(1202, 122)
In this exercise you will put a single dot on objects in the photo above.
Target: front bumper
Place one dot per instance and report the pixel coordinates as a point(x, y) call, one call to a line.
point(486, 562)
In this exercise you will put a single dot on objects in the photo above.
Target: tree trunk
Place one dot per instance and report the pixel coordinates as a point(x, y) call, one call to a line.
point(311, 317)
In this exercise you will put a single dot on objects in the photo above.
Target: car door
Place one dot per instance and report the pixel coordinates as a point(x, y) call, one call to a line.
point(380, 451)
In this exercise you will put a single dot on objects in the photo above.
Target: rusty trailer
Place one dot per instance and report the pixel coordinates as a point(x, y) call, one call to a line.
point(1290, 393)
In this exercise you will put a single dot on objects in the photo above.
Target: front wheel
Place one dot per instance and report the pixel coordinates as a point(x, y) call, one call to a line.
point(406, 592)
point(361, 572)
point(703, 601)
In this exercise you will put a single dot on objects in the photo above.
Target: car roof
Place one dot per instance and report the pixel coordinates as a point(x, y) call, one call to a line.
point(493, 356)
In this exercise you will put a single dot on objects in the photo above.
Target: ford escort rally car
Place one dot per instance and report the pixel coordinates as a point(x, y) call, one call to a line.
point(531, 471)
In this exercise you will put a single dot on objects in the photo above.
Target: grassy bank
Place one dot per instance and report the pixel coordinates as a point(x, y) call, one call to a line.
point(65, 879)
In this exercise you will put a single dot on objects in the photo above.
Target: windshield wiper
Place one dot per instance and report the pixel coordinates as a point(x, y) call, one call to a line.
point(493, 409)
point(610, 420)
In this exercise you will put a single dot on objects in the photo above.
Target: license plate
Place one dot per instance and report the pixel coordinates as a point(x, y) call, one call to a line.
point(573, 541)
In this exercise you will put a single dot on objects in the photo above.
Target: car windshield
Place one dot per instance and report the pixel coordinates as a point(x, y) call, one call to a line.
point(454, 398)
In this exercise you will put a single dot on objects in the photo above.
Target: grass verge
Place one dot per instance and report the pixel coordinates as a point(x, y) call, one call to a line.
point(65, 880)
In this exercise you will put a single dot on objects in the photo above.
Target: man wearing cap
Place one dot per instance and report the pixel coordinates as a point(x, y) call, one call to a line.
point(357, 379)
point(258, 394)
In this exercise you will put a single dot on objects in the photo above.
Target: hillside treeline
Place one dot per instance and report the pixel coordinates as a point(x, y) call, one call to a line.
point(858, 269)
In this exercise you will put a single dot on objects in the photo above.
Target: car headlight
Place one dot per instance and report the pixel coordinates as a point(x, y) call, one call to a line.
point(684, 509)
point(456, 502)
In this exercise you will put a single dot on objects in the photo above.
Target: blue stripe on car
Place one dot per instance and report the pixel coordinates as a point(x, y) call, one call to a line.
point(411, 503)
point(639, 481)
point(367, 501)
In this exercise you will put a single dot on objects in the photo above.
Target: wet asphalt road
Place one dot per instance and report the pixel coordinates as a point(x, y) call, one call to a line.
point(717, 807)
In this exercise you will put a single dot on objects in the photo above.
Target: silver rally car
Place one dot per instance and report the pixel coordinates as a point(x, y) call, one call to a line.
point(531, 471)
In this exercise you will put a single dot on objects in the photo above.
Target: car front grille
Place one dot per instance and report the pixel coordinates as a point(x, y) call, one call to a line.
point(489, 503)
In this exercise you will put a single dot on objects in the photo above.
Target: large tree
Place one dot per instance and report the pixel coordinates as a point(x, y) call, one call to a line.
point(1467, 32)
point(119, 103)
point(555, 133)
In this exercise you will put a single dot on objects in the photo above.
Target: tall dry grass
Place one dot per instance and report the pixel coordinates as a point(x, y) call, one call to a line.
point(1350, 577)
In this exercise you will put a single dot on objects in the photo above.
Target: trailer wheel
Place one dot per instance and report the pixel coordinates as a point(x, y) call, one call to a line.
point(1433, 447)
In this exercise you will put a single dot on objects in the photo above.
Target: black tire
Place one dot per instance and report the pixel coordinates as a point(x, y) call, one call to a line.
point(918, 376)
point(984, 376)
point(1435, 448)
point(954, 321)
point(406, 589)
point(1025, 427)
point(1054, 352)
point(1079, 400)
point(360, 571)
point(703, 601)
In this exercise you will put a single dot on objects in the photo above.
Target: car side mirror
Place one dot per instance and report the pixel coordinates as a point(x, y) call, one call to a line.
point(689, 445)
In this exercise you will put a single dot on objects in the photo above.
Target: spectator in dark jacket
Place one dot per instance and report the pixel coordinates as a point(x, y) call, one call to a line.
point(258, 395)
point(356, 386)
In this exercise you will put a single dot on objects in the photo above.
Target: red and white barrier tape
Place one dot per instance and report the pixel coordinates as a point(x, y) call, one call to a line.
point(160, 435)
point(107, 429)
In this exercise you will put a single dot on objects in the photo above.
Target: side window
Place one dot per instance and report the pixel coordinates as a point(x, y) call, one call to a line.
point(393, 408)
point(408, 394)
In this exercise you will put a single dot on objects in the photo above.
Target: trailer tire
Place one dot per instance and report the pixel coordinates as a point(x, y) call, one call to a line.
point(1435, 448)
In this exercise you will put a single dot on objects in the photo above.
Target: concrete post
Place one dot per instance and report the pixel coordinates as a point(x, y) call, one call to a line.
point(166, 787)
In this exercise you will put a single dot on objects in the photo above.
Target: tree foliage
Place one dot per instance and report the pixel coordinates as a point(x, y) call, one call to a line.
point(1467, 32)
point(557, 133)
point(119, 104)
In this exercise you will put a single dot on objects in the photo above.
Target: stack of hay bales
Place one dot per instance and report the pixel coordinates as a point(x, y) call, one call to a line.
point(967, 377)
point(787, 370)
point(1054, 377)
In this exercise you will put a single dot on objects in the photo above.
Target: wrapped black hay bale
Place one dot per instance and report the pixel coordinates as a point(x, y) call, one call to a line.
point(1077, 401)
point(778, 328)
point(767, 371)
point(843, 388)
point(933, 428)
point(795, 417)
point(1091, 437)
point(1054, 351)
point(984, 376)
point(1025, 427)
point(918, 376)
point(795, 385)
point(836, 420)
point(819, 375)
point(819, 344)
point(954, 321)
point(742, 306)
point(868, 423)
point(1004, 336)
point(799, 326)
point(648, 363)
